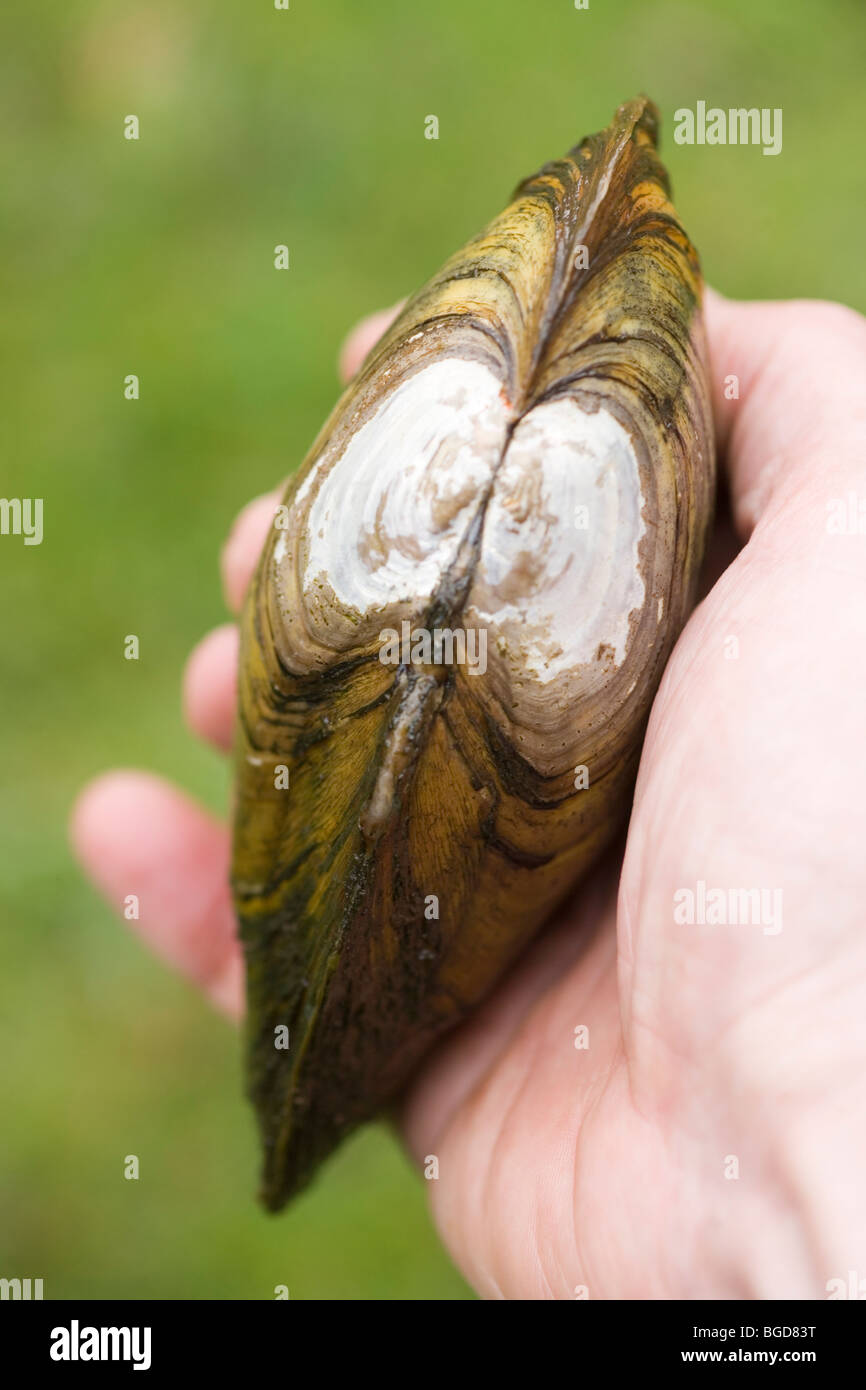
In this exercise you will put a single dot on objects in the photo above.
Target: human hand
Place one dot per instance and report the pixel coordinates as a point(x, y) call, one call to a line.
point(610, 1169)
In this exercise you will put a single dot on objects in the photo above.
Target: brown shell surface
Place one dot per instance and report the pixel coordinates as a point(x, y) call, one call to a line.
point(418, 783)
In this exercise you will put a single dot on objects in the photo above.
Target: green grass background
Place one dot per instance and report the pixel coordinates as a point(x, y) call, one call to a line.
point(156, 257)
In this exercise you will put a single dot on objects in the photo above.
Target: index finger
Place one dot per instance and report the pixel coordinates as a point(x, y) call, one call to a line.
point(788, 384)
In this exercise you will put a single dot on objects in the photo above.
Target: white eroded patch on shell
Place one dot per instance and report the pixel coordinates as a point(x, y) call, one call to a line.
point(558, 575)
point(386, 520)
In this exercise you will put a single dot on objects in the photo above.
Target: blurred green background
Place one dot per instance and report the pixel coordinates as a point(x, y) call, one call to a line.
point(156, 257)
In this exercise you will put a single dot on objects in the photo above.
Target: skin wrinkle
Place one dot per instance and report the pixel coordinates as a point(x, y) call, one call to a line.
point(745, 521)
point(562, 1261)
point(551, 1296)
point(684, 1180)
point(579, 1162)
point(488, 1186)
point(726, 1040)
point(479, 1098)
point(592, 1098)
point(807, 509)
point(785, 1200)
point(539, 1253)
point(494, 1152)
point(683, 1175)
point(691, 1136)
point(793, 1155)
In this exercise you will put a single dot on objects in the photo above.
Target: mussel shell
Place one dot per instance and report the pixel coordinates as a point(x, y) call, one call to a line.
point(432, 819)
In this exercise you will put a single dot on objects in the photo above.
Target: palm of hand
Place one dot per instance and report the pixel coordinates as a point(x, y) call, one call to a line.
point(708, 1140)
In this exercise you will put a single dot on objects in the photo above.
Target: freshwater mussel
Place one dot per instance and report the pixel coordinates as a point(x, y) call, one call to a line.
point(457, 626)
